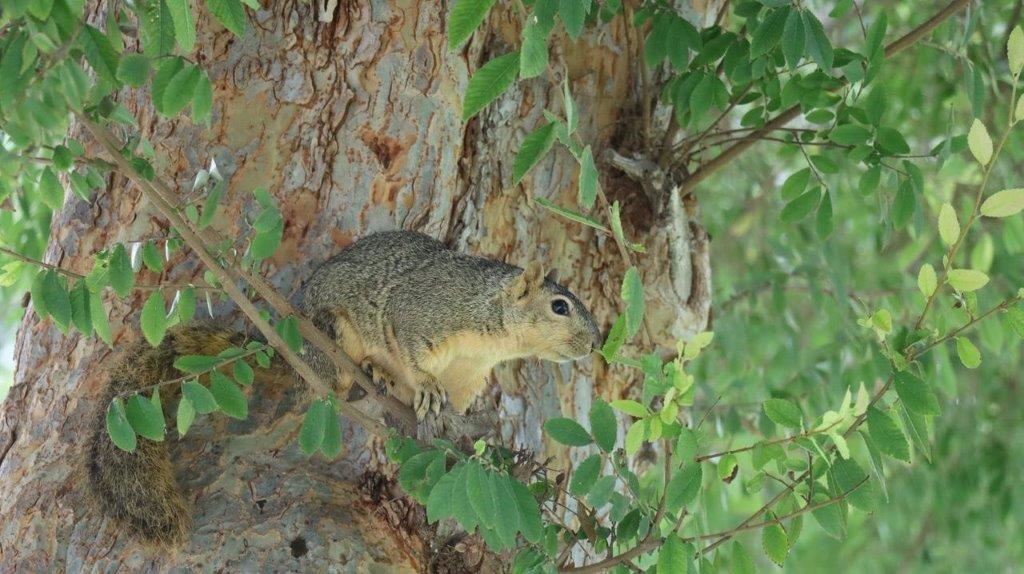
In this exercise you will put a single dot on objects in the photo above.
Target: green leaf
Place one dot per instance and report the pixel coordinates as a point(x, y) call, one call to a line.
point(887, 436)
point(574, 15)
point(848, 474)
point(603, 425)
point(775, 543)
point(966, 280)
point(831, 518)
point(633, 295)
point(875, 105)
point(585, 475)
point(50, 189)
point(462, 507)
point(478, 492)
point(465, 18)
point(212, 203)
point(165, 72)
point(784, 413)
point(120, 430)
point(793, 38)
point(570, 214)
point(800, 207)
point(686, 445)
point(154, 318)
point(869, 181)
point(99, 53)
point(616, 337)
point(635, 437)
point(818, 45)
point(156, 28)
point(927, 281)
point(56, 300)
point(588, 179)
point(314, 425)
point(230, 13)
point(891, 141)
point(180, 90)
point(904, 205)
point(949, 225)
point(194, 364)
point(823, 224)
point(439, 503)
point(184, 25)
point(331, 446)
point(1004, 203)
point(202, 100)
point(489, 82)
point(243, 372)
point(673, 556)
point(531, 151)
point(631, 408)
point(769, 32)
point(969, 355)
point(849, 134)
point(915, 394)
point(795, 184)
point(533, 59)
point(185, 417)
point(1015, 319)
point(567, 431)
point(152, 258)
point(81, 308)
point(200, 397)
point(145, 417)
point(741, 561)
point(229, 397)
point(684, 487)
point(100, 322)
point(529, 512)
point(1015, 50)
point(979, 142)
point(288, 328)
point(727, 466)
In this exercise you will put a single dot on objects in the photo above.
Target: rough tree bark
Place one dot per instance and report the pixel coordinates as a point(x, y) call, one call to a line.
point(354, 125)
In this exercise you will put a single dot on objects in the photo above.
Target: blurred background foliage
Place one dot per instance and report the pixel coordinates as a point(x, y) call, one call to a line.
point(787, 302)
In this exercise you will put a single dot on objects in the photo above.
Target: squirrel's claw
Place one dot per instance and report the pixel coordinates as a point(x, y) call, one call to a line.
point(381, 378)
point(429, 399)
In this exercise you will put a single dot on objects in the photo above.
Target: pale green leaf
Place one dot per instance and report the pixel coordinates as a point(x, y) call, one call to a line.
point(965, 280)
point(1004, 203)
point(949, 225)
point(969, 355)
point(926, 280)
point(979, 142)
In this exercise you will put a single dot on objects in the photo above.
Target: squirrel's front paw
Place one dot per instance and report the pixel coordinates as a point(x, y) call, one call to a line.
point(381, 378)
point(429, 398)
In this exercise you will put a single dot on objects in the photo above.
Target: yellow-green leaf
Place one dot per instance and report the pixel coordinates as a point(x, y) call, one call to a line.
point(980, 142)
point(926, 280)
point(949, 225)
point(1004, 203)
point(967, 279)
point(969, 355)
point(1015, 50)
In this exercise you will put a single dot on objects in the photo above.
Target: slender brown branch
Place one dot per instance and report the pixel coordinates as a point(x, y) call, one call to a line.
point(726, 157)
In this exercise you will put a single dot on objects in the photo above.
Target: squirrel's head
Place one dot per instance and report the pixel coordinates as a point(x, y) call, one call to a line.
point(552, 323)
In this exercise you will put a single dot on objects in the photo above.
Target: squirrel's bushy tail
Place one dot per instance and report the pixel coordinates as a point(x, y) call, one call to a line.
point(138, 489)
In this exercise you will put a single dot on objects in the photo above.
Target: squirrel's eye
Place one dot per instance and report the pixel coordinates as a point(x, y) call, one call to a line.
point(560, 307)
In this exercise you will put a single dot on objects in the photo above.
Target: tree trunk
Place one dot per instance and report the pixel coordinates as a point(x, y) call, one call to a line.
point(353, 124)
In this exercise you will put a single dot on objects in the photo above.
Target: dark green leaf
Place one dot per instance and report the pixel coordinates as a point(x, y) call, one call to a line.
point(489, 82)
point(684, 487)
point(818, 45)
point(200, 397)
point(50, 189)
point(531, 151)
point(567, 431)
point(230, 13)
point(229, 397)
point(603, 425)
point(314, 425)
point(145, 417)
point(574, 15)
point(56, 300)
point(466, 16)
point(154, 318)
point(915, 394)
point(887, 436)
point(99, 52)
point(180, 90)
point(120, 430)
point(769, 32)
point(585, 475)
point(800, 207)
point(793, 38)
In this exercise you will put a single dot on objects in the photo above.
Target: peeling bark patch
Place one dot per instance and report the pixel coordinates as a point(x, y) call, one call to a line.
point(299, 547)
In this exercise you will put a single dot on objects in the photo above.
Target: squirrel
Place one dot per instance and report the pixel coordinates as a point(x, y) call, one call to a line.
point(425, 321)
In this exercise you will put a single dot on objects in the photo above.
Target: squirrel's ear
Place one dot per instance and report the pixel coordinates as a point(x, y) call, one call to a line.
point(530, 280)
point(552, 276)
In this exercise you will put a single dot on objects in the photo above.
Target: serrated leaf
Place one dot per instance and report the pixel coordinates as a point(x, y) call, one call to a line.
point(243, 373)
point(633, 295)
point(849, 134)
point(969, 355)
point(741, 561)
point(529, 512)
point(229, 397)
point(684, 487)
point(193, 364)
point(331, 445)
point(439, 503)
point(118, 428)
point(673, 556)
point(56, 299)
point(100, 322)
point(915, 394)
point(616, 337)
point(50, 189)
point(201, 398)
point(570, 214)
point(156, 28)
point(783, 412)
point(533, 59)
point(99, 53)
point(793, 38)
point(465, 18)
point(769, 32)
point(81, 308)
point(230, 13)
point(927, 281)
point(588, 179)
point(585, 475)
point(775, 543)
point(887, 436)
point(145, 417)
point(800, 207)
point(603, 425)
point(635, 437)
point(185, 417)
point(184, 25)
point(631, 408)
point(489, 82)
point(848, 474)
point(574, 15)
point(966, 280)
point(979, 142)
point(795, 184)
point(154, 319)
point(533, 148)
point(1004, 203)
point(1015, 50)
point(314, 426)
point(202, 100)
point(818, 45)
point(180, 90)
point(949, 225)
point(567, 431)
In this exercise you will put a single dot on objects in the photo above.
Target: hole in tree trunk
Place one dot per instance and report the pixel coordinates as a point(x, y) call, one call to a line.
point(299, 548)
